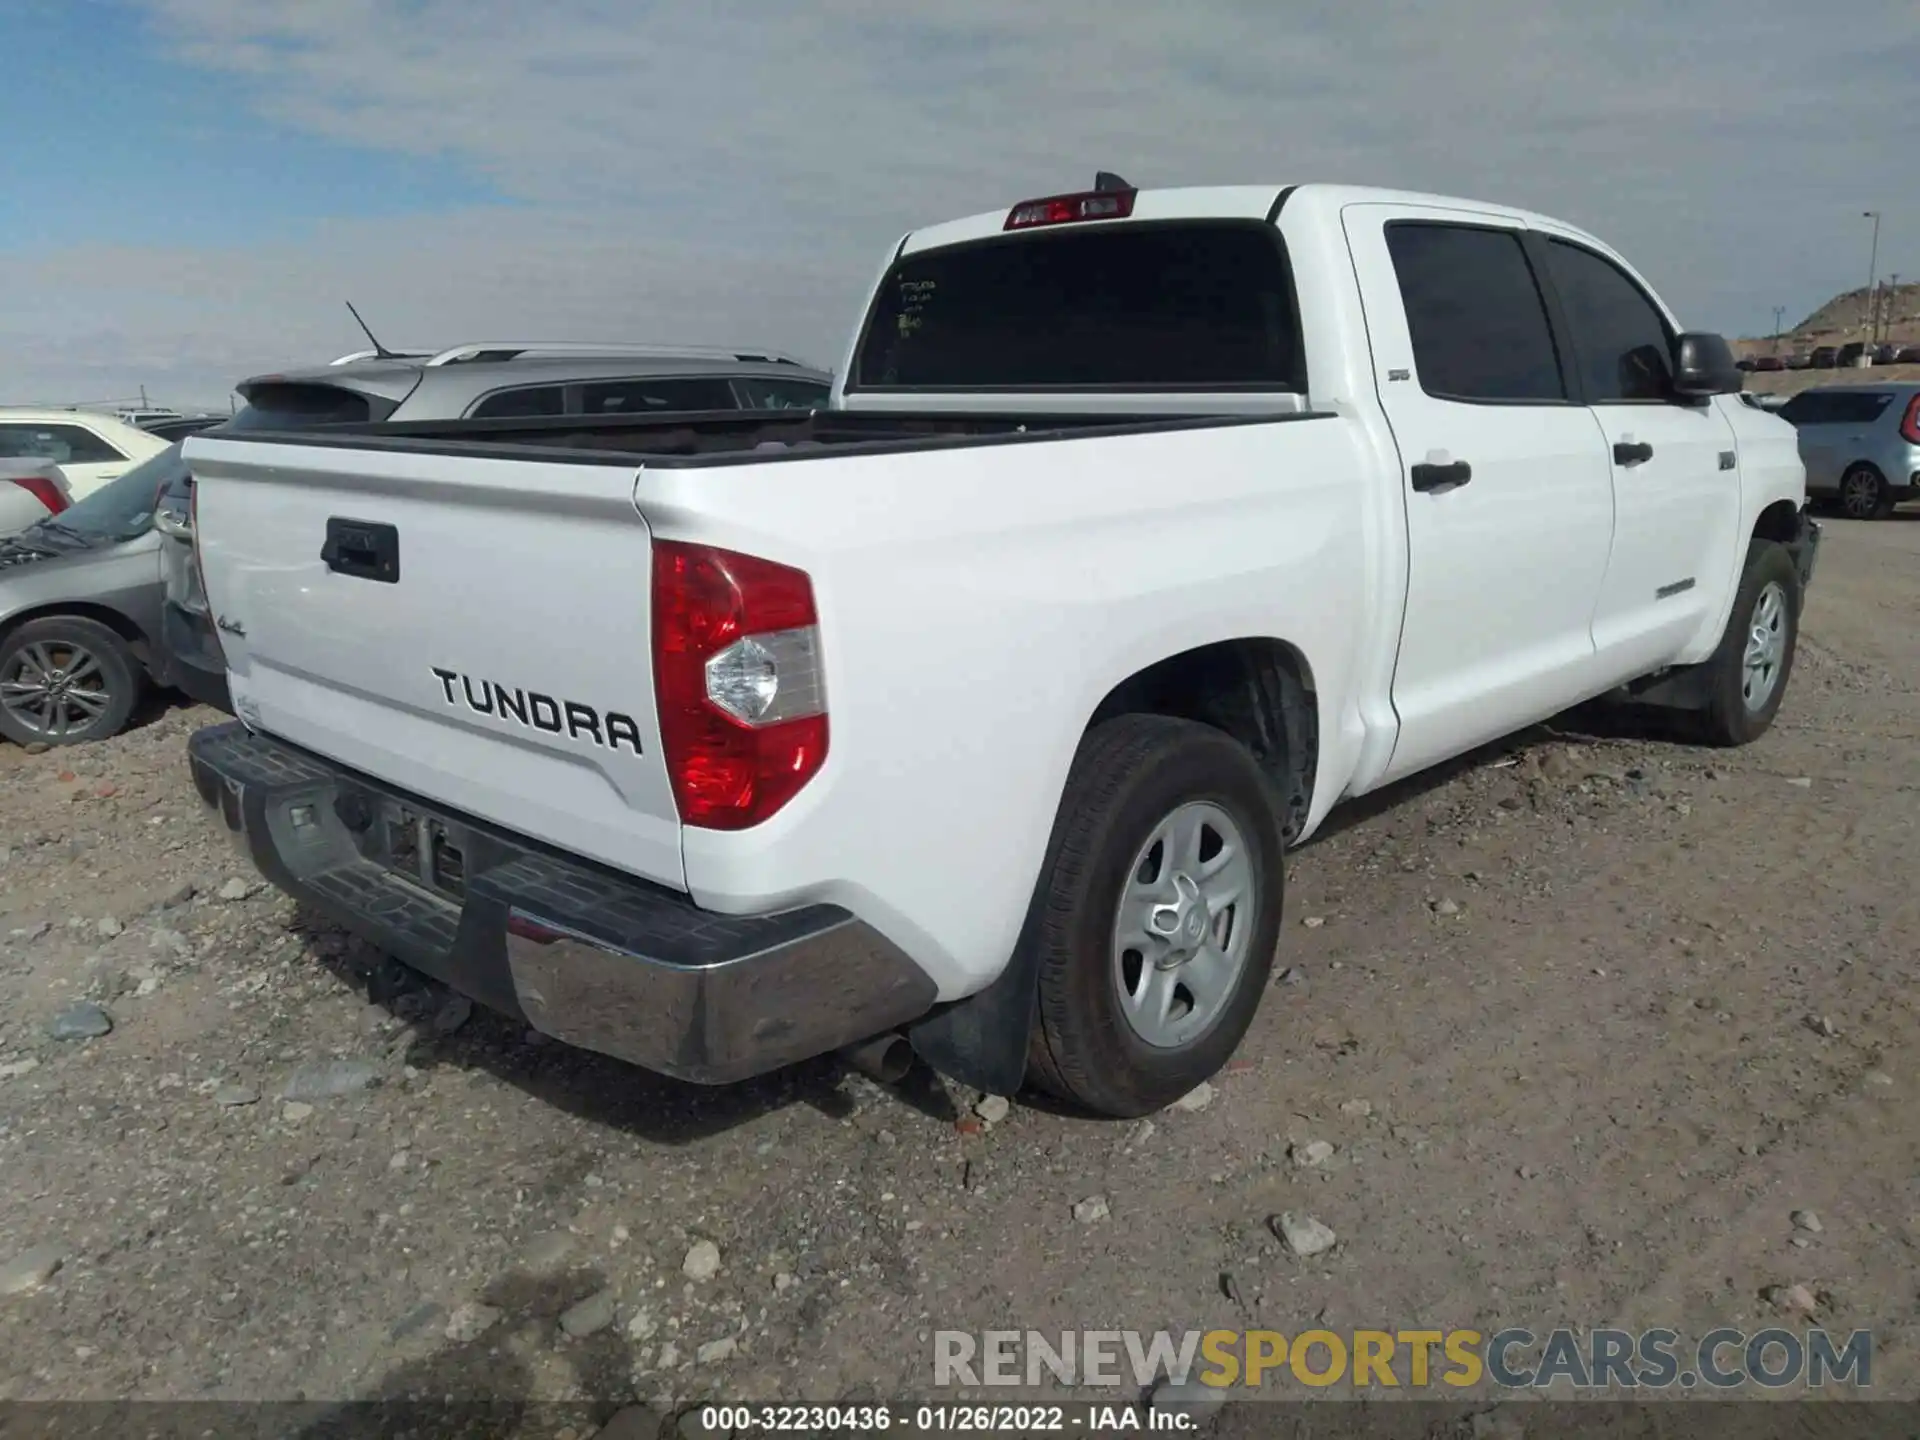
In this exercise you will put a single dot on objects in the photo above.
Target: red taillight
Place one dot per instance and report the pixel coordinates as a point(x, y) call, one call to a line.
point(1910, 422)
point(44, 489)
point(1067, 209)
point(736, 672)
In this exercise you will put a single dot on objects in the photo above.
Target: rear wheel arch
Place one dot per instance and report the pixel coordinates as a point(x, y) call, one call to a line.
point(1259, 691)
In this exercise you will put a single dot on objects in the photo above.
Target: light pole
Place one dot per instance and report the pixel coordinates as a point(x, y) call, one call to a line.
point(1873, 254)
point(1778, 312)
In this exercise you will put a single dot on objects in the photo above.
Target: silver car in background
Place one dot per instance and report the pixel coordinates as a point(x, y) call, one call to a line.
point(1860, 444)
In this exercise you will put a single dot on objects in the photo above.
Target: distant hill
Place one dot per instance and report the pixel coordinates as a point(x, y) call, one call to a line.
point(1844, 318)
point(1846, 315)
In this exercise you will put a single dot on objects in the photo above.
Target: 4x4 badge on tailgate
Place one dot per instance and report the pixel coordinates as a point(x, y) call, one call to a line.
point(530, 708)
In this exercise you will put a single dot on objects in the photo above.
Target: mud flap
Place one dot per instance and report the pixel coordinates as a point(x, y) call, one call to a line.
point(981, 1041)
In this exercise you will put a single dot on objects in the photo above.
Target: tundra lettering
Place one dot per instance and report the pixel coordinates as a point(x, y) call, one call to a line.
point(542, 712)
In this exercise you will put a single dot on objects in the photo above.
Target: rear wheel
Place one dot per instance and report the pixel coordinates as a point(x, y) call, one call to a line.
point(1160, 911)
point(1864, 494)
point(65, 680)
point(1749, 671)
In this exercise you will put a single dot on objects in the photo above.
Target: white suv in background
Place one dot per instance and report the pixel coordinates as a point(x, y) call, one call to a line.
point(90, 448)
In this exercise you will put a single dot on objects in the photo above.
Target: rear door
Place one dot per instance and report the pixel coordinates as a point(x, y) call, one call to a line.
point(474, 631)
point(1509, 506)
point(1677, 536)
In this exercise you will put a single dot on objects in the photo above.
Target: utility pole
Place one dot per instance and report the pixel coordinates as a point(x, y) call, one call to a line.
point(1873, 254)
point(1778, 312)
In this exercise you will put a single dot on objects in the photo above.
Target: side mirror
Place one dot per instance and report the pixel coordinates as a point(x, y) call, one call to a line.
point(1703, 366)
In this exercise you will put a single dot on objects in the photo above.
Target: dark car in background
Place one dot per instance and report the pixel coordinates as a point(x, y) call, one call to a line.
point(182, 426)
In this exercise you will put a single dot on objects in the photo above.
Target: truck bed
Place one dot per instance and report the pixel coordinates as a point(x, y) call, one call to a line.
point(731, 437)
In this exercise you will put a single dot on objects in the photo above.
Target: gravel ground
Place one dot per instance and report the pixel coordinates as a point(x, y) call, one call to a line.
point(1563, 1035)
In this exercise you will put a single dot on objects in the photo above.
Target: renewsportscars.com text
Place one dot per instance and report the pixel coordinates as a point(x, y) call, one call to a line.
point(1514, 1358)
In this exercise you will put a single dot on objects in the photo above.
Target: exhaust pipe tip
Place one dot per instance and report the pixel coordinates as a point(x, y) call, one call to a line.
point(886, 1058)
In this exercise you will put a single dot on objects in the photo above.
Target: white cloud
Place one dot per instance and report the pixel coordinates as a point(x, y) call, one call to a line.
point(734, 169)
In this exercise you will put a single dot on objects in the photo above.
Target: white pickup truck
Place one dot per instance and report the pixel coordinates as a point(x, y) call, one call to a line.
point(973, 714)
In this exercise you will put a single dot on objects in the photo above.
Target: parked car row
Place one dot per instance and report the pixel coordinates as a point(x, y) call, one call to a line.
point(1835, 357)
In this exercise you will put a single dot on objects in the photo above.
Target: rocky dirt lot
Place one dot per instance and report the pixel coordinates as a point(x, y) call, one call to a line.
point(1565, 1035)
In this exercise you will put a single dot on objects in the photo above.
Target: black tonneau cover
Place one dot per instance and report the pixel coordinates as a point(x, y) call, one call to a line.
point(724, 437)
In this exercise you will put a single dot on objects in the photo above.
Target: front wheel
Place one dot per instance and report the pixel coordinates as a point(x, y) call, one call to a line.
point(1749, 671)
point(65, 680)
point(1160, 911)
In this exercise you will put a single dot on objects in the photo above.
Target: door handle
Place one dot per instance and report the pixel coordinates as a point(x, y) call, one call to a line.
point(1626, 452)
point(1428, 476)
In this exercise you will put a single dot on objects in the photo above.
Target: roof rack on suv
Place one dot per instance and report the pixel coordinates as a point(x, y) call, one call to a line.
point(359, 355)
point(524, 350)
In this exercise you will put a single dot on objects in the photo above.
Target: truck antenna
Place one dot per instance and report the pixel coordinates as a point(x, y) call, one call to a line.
point(1104, 180)
point(378, 349)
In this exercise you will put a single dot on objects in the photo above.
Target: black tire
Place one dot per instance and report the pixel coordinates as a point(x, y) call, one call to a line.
point(1130, 776)
point(1729, 718)
point(99, 682)
point(1864, 494)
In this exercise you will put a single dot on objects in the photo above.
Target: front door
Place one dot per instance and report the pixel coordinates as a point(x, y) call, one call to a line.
point(1676, 485)
point(1509, 501)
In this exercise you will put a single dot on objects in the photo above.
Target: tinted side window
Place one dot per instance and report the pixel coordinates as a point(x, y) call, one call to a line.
point(1864, 409)
point(632, 397)
point(782, 394)
point(1474, 311)
point(1836, 407)
point(534, 400)
point(1622, 341)
point(1809, 407)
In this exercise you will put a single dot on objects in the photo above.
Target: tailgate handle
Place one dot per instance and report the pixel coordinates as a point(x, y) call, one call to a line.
point(364, 549)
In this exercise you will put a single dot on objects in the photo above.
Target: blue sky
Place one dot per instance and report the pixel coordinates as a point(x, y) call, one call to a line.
point(178, 153)
point(194, 185)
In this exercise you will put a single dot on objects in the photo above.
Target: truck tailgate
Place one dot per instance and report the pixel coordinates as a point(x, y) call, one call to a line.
point(475, 631)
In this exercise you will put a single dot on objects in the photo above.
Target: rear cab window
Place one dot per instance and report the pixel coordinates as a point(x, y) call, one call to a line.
point(1150, 306)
